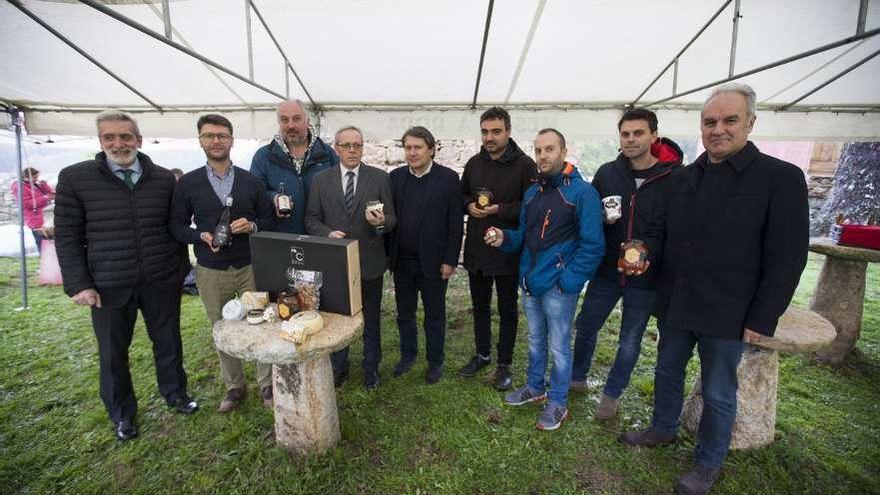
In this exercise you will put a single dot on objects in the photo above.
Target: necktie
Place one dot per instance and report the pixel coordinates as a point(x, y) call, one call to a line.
point(127, 179)
point(349, 190)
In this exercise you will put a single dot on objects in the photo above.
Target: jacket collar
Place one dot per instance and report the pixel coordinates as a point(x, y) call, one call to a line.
point(739, 160)
point(511, 153)
point(562, 178)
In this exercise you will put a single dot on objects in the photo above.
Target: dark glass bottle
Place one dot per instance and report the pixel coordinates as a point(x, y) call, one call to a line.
point(283, 201)
point(223, 231)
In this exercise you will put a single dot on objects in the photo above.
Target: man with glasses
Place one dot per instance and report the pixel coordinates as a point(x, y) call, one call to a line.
point(223, 272)
point(295, 155)
point(343, 205)
point(116, 255)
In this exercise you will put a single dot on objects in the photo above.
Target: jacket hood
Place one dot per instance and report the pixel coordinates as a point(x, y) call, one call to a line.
point(667, 151)
point(511, 153)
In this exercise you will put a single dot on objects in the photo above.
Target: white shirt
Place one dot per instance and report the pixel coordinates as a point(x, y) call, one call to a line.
point(344, 171)
point(426, 172)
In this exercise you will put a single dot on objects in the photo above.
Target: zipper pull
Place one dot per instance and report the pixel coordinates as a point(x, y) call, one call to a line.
point(546, 223)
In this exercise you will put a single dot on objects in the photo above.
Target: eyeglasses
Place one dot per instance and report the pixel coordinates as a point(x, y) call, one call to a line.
point(223, 138)
point(351, 146)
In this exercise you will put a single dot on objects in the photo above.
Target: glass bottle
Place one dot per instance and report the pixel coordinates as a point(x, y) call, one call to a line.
point(283, 202)
point(223, 230)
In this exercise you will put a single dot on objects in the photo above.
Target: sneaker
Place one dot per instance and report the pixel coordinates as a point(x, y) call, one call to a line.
point(607, 408)
point(434, 374)
point(403, 366)
point(578, 386)
point(551, 417)
point(267, 396)
point(232, 400)
point(503, 380)
point(476, 363)
point(523, 395)
point(697, 481)
point(650, 437)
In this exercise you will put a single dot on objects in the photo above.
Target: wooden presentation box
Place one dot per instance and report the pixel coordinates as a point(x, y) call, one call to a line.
point(272, 253)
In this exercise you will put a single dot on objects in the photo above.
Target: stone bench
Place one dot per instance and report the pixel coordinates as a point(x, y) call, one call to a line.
point(840, 293)
point(306, 418)
point(798, 331)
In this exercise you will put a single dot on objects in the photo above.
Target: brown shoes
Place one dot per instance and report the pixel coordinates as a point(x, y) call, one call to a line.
point(607, 408)
point(267, 396)
point(232, 400)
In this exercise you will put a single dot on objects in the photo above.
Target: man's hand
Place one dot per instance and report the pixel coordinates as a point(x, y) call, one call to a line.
point(446, 271)
point(336, 234)
point(241, 226)
point(607, 221)
point(375, 217)
point(495, 240)
point(208, 238)
point(491, 210)
point(87, 297)
point(474, 211)
point(752, 337)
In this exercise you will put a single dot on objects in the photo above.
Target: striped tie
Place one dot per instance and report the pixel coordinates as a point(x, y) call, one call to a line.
point(349, 191)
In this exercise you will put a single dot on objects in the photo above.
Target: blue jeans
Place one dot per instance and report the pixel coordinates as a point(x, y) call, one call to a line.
point(602, 295)
point(549, 317)
point(719, 359)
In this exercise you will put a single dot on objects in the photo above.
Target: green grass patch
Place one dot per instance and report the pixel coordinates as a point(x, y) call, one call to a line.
point(456, 437)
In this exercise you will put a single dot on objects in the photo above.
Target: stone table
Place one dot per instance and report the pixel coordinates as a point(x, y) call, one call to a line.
point(840, 293)
point(306, 419)
point(799, 330)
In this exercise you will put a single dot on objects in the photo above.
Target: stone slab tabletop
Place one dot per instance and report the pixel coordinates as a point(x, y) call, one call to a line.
point(828, 248)
point(262, 343)
point(800, 330)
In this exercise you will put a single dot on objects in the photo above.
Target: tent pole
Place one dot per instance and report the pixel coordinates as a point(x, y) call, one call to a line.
point(166, 18)
point(536, 18)
point(250, 37)
point(153, 34)
point(736, 18)
point(679, 54)
point(16, 116)
point(838, 76)
point(482, 53)
point(283, 55)
point(863, 17)
point(786, 60)
point(17, 4)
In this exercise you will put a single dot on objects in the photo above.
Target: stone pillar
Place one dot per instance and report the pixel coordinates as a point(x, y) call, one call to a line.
point(306, 419)
point(840, 276)
point(755, 425)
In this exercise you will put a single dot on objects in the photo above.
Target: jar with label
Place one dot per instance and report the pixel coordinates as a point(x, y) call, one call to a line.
point(288, 303)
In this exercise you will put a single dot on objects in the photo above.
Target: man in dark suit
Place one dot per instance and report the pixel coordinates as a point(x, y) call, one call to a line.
point(424, 247)
point(342, 205)
point(734, 242)
point(117, 256)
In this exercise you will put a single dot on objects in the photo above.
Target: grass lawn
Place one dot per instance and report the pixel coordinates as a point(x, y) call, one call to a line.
point(456, 437)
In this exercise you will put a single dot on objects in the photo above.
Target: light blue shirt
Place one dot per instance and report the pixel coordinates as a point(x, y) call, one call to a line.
point(135, 167)
point(222, 185)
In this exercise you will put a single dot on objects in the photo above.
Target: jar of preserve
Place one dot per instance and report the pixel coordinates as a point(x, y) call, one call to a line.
point(633, 255)
point(288, 303)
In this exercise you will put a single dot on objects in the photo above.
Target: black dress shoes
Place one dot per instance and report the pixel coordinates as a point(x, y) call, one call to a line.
point(403, 366)
point(126, 430)
point(184, 405)
point(503, 380)
point(371, 380)
point(434, 374)
point(339, 378)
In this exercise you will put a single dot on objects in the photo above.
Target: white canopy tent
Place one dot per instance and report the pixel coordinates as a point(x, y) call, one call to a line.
point(385, 64)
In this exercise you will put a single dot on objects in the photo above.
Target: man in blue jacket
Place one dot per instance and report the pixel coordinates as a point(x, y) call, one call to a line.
point(295, 155)
point(560, 236)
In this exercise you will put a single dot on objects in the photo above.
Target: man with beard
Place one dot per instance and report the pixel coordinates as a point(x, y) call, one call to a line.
point(560, 240)
point(223, 272)
point(638, 177)
point(293, 158)
point(117, 256)
point(492, 188)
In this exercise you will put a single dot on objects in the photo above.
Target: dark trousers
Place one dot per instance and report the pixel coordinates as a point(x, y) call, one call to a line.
point(409, 282)
point(114, 325)
point(508, 308)
point(38, 239)
point(719, 359)
point(371, 299)
point(602, 295)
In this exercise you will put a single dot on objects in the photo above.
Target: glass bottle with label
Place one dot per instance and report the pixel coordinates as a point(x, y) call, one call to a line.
point(283, 201)
point(223, 230)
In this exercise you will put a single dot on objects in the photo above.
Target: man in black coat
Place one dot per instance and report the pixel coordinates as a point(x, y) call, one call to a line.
point(492, 188)
point(117, 256)
point(340, 207)
point(638, 179)
point(734, 243)
point(424, 248)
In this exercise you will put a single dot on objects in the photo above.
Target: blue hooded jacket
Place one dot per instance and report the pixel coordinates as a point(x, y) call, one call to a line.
point(272, 165)
point(560, 234)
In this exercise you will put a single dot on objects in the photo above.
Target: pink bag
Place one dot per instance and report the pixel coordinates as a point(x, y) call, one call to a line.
point(50, 271)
